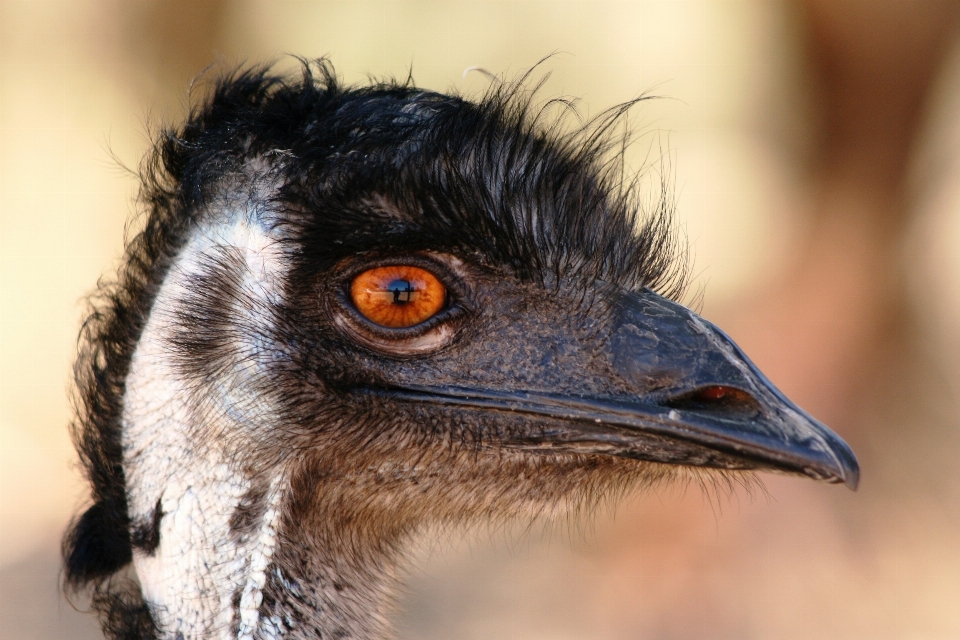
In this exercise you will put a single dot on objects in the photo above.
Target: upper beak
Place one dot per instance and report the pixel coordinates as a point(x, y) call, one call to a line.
point(699, 401)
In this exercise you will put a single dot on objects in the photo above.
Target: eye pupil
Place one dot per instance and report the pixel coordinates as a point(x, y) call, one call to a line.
point(402, 291)
point(398, 296)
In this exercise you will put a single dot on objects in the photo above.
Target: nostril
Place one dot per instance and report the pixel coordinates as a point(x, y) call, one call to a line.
point(715, 398)
point(718, 393)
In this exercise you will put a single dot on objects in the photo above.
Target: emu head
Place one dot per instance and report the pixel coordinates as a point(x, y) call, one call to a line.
point(354, 312)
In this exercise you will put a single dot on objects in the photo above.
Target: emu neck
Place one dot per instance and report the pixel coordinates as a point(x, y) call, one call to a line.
point(257, 574)
point(216, 550)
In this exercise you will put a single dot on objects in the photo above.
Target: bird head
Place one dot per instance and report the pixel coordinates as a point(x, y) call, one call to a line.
point(356, 311)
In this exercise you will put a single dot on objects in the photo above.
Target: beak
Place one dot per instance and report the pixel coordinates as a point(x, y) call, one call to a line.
point(698, 401)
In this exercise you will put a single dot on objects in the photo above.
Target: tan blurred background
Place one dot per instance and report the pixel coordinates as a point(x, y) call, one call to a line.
point(815, 147)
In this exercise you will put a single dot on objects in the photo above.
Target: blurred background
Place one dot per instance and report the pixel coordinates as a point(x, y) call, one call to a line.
point(815, 151)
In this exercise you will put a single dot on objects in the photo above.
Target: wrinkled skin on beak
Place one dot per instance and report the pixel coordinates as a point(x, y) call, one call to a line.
point(646, 379)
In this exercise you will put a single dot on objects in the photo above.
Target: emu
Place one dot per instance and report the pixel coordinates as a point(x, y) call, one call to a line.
point(355, 312)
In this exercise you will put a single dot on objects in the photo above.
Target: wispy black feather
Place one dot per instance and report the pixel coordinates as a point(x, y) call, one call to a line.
point(373, 168)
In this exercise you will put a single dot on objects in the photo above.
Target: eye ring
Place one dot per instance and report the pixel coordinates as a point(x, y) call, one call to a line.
point(430, 335)
point(399, 296)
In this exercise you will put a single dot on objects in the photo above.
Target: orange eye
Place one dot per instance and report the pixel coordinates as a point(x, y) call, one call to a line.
point(397, 296)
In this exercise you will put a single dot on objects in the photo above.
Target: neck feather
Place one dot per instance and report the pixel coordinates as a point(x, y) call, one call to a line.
point(216, 552)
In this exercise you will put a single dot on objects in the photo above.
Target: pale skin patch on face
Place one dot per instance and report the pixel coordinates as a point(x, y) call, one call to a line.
point(191, 578)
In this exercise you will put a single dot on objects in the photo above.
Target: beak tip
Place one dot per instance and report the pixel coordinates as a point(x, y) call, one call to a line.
point(851, 475)
point(847, 466)
point(848, 477)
